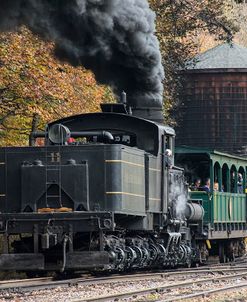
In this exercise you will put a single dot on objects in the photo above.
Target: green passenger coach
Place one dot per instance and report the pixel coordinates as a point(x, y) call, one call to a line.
point(224, 223)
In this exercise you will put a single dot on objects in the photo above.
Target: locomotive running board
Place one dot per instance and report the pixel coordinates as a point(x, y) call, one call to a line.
point(21, 262)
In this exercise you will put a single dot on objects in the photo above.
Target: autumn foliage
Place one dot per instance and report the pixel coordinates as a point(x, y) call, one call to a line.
point(34, 84)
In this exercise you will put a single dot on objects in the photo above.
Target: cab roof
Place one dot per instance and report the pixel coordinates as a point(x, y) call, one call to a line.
point(214, 155)
point(147, 132)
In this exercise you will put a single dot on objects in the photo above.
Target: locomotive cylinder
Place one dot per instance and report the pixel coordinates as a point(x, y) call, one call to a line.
point(194, 212)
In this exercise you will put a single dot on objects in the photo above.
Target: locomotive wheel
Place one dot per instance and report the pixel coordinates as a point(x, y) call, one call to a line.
point(131, 256)
point(154, 252)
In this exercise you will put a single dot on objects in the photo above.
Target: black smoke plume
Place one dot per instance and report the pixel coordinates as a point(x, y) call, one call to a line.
point(113, 38)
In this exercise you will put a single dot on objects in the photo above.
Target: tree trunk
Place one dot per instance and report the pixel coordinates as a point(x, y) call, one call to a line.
point(34, 128)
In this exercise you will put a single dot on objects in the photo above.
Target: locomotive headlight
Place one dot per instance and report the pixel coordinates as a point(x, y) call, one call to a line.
point(58, 134)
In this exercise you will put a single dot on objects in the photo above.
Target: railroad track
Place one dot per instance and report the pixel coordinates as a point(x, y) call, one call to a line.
point(49, 282)
point(214, 265)
point(236, 270)
point(36, 284)
point(23, 283)
point(178, 285)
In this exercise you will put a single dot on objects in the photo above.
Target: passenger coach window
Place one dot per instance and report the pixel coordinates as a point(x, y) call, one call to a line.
point(225, 178)
point(217, 178)
point(233, 180)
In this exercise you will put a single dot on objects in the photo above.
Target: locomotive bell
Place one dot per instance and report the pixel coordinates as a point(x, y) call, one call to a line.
point(58, 134)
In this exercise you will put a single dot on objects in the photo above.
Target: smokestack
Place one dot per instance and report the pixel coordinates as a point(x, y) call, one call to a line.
point(113, 38)
point(124, 98)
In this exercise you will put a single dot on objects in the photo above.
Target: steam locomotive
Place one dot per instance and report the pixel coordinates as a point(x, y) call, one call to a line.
point(103, 193)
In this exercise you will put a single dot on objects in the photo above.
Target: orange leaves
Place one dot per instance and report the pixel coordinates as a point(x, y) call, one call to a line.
point(33, 81)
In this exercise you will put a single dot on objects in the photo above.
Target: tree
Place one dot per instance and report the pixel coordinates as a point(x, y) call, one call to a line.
point(240, 14)
point(180, 25)
point(36, 88)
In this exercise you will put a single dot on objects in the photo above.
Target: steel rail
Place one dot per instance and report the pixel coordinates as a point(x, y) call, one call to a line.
point(29, 285)
point(206, 292)
point(158, 289)
point(5, 282)
point(48, 282)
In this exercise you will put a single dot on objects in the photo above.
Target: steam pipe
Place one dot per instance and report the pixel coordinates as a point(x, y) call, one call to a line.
point(105, 134)
point(124, 101)
point(124, 98)
point(66, 238)
point(75, 134)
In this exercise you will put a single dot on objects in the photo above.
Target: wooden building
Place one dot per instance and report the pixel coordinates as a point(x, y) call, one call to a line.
point(214, 104)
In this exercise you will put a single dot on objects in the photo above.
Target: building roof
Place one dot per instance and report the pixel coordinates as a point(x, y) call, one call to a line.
point(224, 56)
point(215, 155)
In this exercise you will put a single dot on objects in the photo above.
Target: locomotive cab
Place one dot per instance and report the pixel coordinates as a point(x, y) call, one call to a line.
point(128, 149)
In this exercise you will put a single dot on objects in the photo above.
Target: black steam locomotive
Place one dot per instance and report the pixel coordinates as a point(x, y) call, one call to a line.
point(101, 194)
